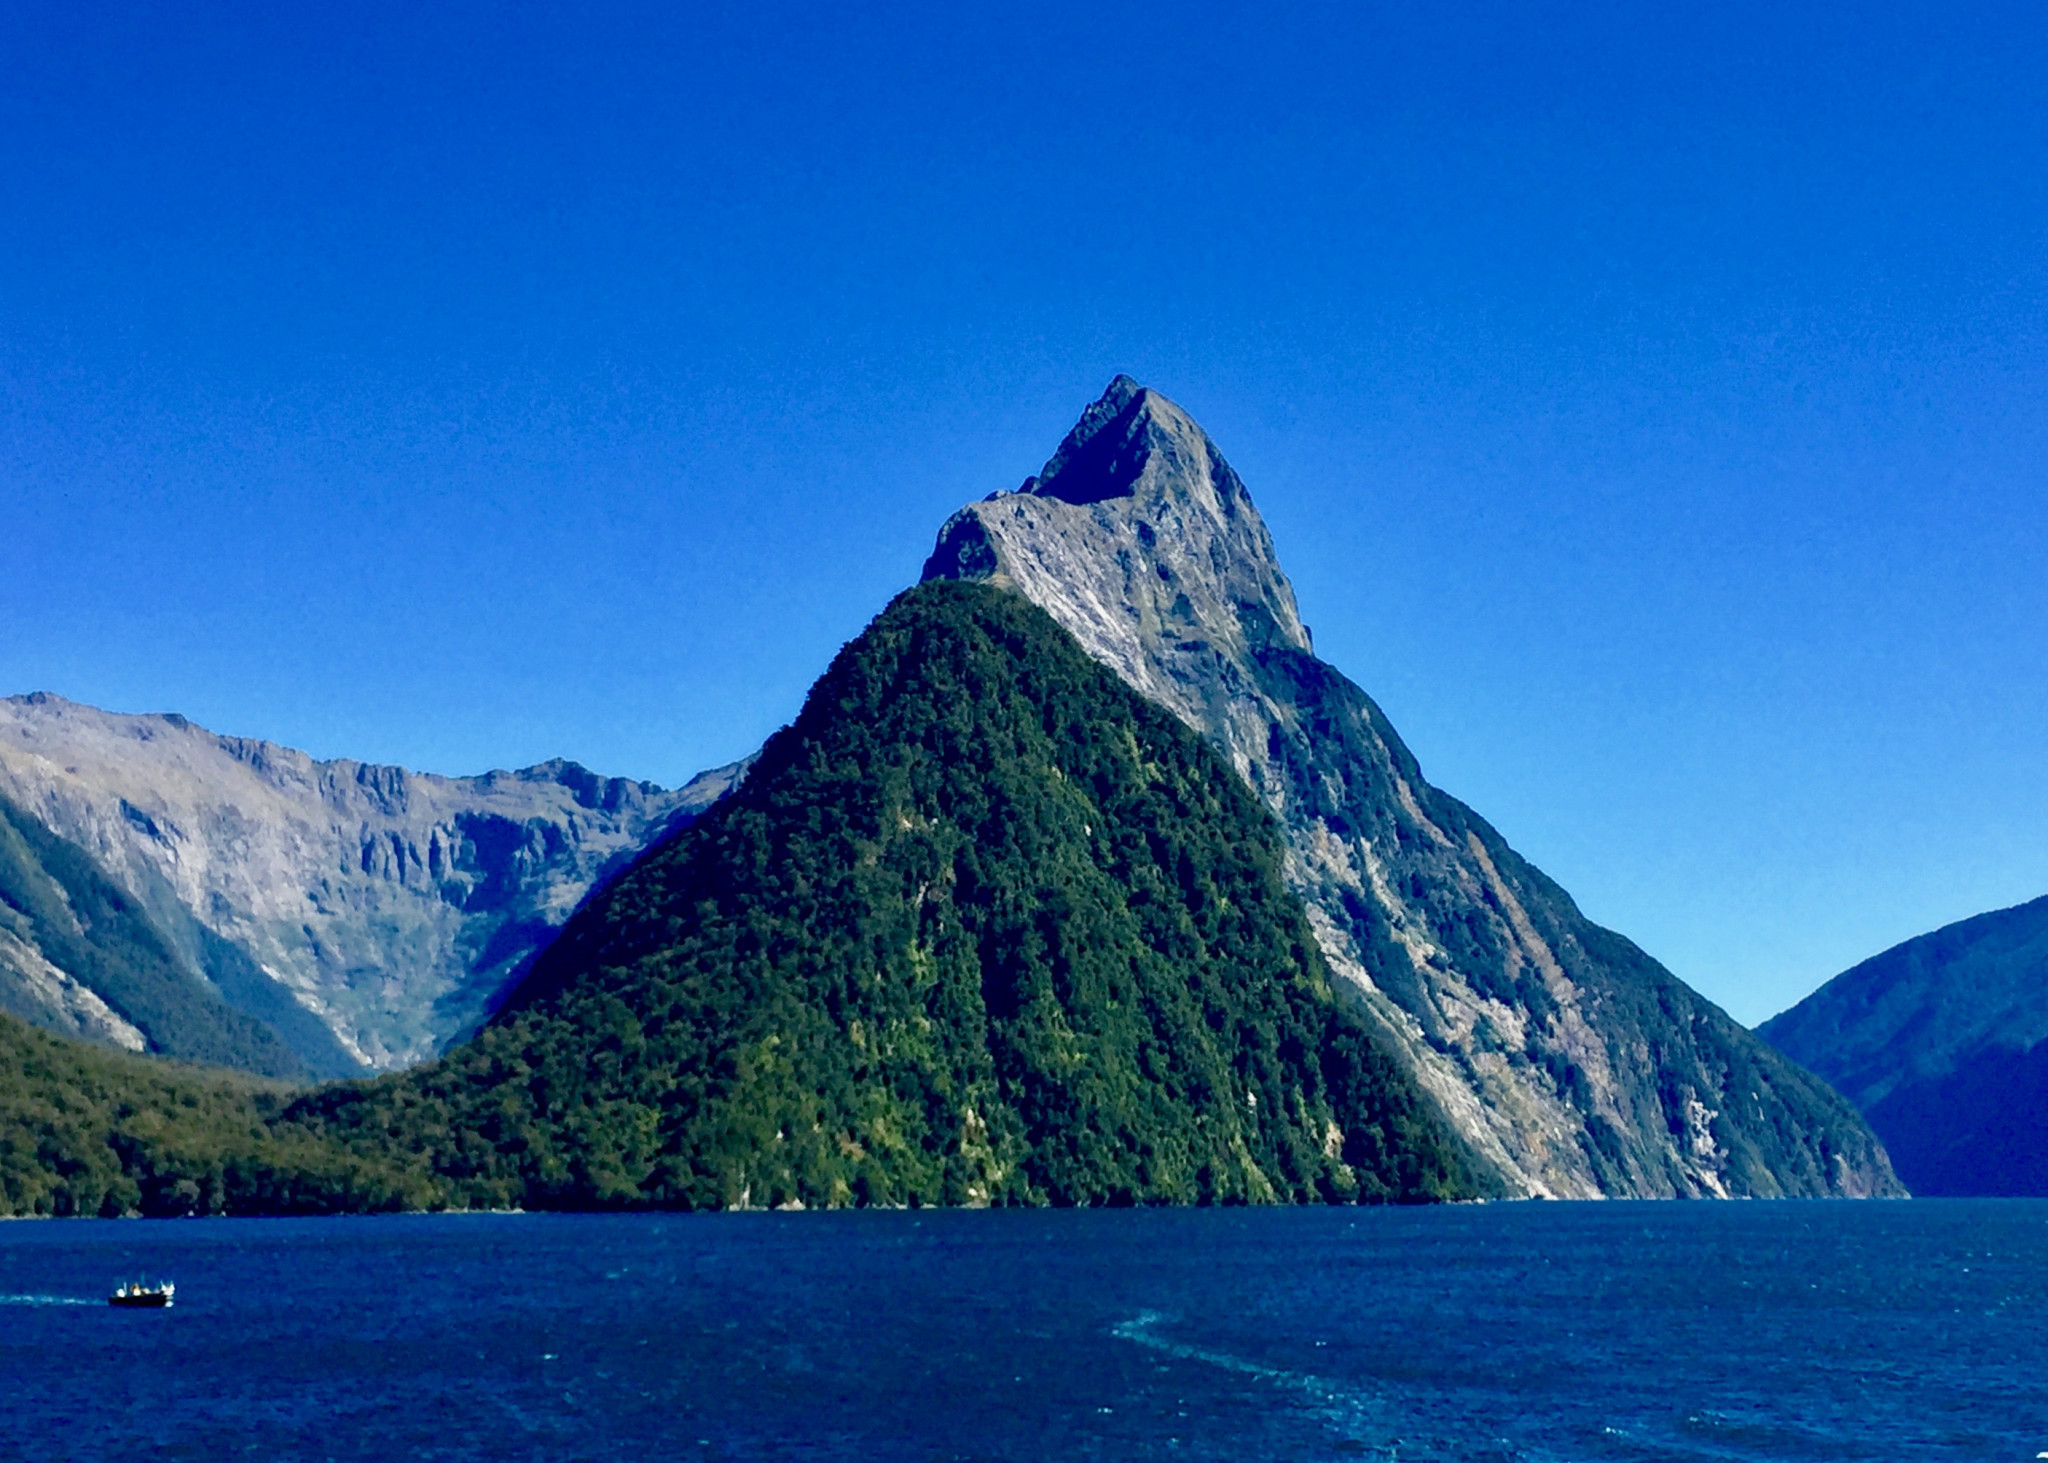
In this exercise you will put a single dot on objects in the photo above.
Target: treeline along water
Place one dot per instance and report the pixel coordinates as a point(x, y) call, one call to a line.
point(1526, 1331)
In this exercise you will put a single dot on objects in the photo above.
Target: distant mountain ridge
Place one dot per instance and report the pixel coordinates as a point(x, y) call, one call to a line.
point(368, 914)
point(80, 957)
point(1942, 1041)
point(1571, 1062)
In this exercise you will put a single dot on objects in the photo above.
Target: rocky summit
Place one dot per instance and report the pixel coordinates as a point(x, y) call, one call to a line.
point(1572, 1063)
point(367, 915)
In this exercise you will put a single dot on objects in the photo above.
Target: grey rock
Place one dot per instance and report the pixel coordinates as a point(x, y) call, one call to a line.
point(1573, 1064)
point(81, 956)
point(368, 914)
point(36, 989)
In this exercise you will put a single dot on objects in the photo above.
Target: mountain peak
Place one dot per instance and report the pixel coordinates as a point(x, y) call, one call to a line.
point(1134, 443)
point(1142, 542)
point(1527, 1024)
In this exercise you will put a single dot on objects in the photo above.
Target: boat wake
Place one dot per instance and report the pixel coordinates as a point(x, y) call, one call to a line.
point(46, 1300)
point(1444, 1425)
point(1359, 1416)
point(1140, 1329)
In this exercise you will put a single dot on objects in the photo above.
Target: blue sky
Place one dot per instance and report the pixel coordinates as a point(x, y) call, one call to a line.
point(1649, 401)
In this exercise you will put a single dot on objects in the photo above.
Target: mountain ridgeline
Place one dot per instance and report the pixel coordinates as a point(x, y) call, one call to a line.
point(1942, 1041)
point(1572, 1063)
point(981, 926)
point(1079, 879)
point(362, 916)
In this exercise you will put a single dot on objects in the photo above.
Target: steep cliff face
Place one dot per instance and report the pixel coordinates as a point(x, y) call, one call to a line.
point(1570, 1061)
point(1943, 1042)
point(367, 914)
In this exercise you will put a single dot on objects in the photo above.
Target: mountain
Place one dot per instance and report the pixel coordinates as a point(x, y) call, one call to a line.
point(78, 956)
point(1943, 1043)
point(365, 915)
point(981, 926)
point(1570, 1062)
point(1079, 879)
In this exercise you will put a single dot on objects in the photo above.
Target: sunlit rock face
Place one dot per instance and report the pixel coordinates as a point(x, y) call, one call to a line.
point(1142, 542)
point(1572, 1063)
point(369, 914)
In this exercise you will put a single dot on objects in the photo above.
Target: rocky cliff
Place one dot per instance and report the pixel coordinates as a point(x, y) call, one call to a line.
point(1571, 1062)
point(1943, 1042)
point(78, 956)
point(366, 914)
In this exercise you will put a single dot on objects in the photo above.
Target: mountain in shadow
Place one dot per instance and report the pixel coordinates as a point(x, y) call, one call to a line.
point(1942, 1041)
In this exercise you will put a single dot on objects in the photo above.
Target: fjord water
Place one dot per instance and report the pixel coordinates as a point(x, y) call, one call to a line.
point(1520, 1331)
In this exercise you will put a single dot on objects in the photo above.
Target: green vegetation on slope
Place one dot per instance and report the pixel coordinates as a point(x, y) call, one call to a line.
point(56, 898)
point(982, 926)
point(1940, 1041)
point(1977, 1130)
point(88, 1131)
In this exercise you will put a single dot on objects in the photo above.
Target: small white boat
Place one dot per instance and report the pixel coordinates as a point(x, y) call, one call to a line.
point(135, 1293)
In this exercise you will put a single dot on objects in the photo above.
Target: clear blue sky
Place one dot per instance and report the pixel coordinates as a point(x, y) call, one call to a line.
point(1650, 401)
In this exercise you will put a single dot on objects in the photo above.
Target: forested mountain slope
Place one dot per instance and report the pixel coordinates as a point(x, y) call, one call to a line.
point(1572, 1062)
point(982, 926)
point(85, 1130)
point(1943, 1042)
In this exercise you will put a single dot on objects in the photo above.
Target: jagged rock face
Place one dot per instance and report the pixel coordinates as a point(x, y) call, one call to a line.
point(79, 955)
point(1145, 546)
point(1942, 1041)
point(368, 914)
point(1570, 1061)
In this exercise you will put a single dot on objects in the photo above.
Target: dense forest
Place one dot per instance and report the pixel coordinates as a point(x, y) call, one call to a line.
point(982, 926)
point(88, 1131)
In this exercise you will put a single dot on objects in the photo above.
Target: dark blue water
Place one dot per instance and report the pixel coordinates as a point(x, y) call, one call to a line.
point(1526, 1331)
